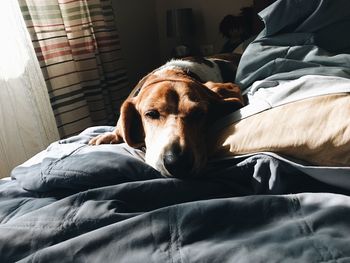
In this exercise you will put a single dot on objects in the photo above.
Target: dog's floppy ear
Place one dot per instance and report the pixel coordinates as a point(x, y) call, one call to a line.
point(226, 97)
point(129, 125)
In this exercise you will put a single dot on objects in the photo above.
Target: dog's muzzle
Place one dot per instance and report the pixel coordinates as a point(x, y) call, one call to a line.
point(178, 162)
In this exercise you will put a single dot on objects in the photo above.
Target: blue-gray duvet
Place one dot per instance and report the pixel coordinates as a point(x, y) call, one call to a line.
point(79, 203)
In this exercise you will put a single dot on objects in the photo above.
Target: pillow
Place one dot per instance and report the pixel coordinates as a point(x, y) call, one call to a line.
point(315, 130)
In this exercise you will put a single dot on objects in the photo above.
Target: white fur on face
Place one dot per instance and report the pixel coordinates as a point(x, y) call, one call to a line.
point(158, 140)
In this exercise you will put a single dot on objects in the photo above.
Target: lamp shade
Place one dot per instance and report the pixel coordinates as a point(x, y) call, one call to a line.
point(180, 22)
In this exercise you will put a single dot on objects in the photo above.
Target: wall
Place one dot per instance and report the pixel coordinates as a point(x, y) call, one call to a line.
point(208, 15)
point(142, 29)
point(137, 25)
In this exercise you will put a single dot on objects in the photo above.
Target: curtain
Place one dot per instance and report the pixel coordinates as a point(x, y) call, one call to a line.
point(27, 123)
point(77, 45)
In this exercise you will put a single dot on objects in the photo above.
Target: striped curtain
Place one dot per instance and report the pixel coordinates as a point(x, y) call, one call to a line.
point(78, 49)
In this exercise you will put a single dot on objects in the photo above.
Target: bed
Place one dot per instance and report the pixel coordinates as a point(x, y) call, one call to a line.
point(283, 197)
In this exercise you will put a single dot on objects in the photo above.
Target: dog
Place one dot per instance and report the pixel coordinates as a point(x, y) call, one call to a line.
point(170, 110)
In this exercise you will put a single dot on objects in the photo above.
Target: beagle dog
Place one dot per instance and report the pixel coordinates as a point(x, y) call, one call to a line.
point(170, 110)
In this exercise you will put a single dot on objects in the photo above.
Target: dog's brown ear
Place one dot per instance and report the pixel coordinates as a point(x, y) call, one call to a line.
point(129, 126)
point(227, 98)
point(228, 92)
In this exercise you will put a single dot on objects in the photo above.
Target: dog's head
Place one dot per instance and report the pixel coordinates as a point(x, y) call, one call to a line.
point(170, 116)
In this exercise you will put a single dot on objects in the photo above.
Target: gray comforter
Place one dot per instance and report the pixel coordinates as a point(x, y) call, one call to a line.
point(79, 203)
point(300, 38)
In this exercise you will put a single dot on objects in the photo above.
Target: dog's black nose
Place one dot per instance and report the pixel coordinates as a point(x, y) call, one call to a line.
point(179, 163)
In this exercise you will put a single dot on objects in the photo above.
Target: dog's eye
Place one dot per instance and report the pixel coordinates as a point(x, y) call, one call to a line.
point(152, 114)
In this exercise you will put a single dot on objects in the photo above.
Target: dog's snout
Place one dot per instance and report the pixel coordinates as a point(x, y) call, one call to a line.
point(178, 162)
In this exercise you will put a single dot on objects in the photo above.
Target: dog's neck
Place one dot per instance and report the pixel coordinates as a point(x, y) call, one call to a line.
point(165, 74)
point(201, 70)
point(197, 69)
